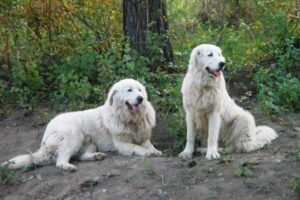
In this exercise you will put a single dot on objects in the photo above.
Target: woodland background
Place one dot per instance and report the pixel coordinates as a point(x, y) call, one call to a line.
point(65, 54)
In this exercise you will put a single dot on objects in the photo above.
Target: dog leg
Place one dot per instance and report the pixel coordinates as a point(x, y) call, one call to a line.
point(63, 162)
point(214, 123)
point(63, 159)
point(188, 151)
point(87, 156)
point(128, 149)
point(90, 154)
point(69, 147)
point(149, 145)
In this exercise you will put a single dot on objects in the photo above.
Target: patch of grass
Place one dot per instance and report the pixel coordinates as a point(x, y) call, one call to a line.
point(29, 167)
point(151, 171)
point(210, 170)
point(292, 134)
point(296, 185)
point(149, 167)
point(8, 176)
point(225, 159)
point(295, 154)
point(246, 170)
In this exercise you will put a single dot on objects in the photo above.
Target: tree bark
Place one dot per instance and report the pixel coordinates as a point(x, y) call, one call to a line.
point(141, 17)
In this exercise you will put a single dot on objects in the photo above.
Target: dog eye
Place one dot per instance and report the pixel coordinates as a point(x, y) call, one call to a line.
point(140, 89)
point(210, 55)
point(129, 90)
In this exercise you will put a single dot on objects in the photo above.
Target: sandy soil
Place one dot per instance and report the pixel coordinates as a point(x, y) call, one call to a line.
point(153, 178)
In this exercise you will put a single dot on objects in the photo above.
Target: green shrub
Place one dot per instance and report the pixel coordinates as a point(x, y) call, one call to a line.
point(278, 91)
point(246, 170)
point(296, 185)
point(8, 176)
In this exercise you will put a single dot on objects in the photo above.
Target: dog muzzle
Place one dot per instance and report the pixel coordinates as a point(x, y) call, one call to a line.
point(215, 73)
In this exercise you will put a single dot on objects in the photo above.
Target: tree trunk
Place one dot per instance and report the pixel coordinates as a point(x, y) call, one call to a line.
point(140, 17)
point(49, 27)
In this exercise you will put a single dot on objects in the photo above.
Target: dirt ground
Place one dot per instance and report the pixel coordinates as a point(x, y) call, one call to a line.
point(168, 177)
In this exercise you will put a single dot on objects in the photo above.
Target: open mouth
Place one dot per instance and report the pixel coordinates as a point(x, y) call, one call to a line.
point(133, 108)
point(215, 73)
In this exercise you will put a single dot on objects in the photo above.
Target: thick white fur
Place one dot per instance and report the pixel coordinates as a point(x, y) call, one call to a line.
point(210, 112)
point(112, 126)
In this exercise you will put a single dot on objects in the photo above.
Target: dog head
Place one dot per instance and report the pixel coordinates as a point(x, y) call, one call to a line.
point(128, 95)
point(208, 60)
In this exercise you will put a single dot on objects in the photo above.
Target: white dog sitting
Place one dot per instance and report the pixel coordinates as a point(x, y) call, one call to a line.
point(124, 123)
point(210, 112)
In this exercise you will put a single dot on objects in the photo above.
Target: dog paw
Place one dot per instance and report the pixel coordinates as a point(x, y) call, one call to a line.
point(212, 153)
point(156, 152)
point(99, 156)
point(67, 167)
point(185, 155)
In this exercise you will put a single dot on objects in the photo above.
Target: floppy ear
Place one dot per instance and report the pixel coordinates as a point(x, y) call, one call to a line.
point(111, 97)
point(150, 116)
point(193, 59)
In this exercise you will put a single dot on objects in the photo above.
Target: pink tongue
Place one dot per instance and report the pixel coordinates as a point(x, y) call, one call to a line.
point(217, 73)
point(135, 109)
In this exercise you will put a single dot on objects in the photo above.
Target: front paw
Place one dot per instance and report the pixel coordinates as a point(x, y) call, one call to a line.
point(152, 152)
point(99, 156)
point(212, 153)
point(185, 155)
point(156, 152)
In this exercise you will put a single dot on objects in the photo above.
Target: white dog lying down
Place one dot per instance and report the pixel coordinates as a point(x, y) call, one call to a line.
point(124, 123)
point(210, 112)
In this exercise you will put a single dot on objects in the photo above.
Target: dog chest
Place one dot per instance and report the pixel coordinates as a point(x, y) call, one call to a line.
point(203, 100)
point(136, 135)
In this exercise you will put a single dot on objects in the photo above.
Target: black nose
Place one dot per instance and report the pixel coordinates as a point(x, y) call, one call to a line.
point(221, 65)
point(140, 99)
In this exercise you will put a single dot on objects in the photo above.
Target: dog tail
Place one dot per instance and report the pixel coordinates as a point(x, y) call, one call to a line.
point(264, 135)
point(37, 158)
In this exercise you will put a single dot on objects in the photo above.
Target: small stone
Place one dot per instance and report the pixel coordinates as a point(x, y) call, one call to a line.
point(297, 129)
point(38, 177)
point(96, 178)
point(91, 182)
point(192, 164)
point(29, 178)
point(210, 170)
point(109, 175)
point(162, 193)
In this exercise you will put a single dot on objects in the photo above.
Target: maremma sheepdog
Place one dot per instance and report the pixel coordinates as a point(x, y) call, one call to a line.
point(210, 112)
point(124, 123)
